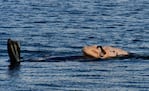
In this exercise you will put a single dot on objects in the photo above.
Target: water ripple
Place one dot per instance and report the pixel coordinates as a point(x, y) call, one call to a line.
point(53, 28)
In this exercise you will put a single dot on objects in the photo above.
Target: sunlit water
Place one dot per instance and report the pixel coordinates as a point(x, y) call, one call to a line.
point(61, 28)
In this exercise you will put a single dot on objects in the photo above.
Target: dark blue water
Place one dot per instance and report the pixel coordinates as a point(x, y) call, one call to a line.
point(61, 28)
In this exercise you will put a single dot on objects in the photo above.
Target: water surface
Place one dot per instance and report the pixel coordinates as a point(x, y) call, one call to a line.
point(62, 28)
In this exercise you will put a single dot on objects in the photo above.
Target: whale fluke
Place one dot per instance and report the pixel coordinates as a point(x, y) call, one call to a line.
point(13, 48)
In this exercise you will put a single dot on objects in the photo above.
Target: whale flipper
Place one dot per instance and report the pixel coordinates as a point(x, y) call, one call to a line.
point(13, 48)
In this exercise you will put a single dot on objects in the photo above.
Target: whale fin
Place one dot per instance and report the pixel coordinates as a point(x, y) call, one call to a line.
point(13, 48)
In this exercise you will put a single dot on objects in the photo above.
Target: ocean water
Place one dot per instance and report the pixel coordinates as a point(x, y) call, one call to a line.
point(56, 28)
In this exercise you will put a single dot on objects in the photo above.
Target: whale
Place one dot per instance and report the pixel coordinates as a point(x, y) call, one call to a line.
point(13, 48)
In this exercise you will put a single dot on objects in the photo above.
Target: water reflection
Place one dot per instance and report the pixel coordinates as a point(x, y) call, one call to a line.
point(13, 71)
